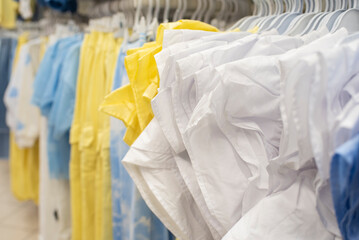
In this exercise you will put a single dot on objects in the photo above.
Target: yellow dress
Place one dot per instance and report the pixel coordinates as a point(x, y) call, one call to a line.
point(8, 13)
point(132, 103)
point(24, 162)
point(90, 174)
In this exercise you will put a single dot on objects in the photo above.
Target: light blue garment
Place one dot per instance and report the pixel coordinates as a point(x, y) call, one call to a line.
point(344, 180)
point(61, 115)
point(7, 51)
point(50, 89)
point(132, 219)
point(43, 74)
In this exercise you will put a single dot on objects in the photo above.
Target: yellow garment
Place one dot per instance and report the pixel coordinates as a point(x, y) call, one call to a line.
point(90, 173)
point(132, 103)
point(24, 162)
point(255, 29)
point(8, 13)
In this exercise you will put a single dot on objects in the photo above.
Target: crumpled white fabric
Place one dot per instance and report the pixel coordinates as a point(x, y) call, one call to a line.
point(227, 145)
point(236, 130)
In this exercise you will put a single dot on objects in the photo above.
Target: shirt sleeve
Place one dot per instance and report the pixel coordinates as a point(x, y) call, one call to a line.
point(65, 100)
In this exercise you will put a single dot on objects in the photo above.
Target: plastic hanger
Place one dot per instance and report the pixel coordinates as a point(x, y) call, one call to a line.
point(166, 11)
point(126, 10)
point(152, 28)
point(276, 9)
point(330, 18)
point(140, 26)
point(263, 10)
point(283, 20)
point(232, 11)
point(333, 7)
point(229, 12)
point(137, 15)
point(221, 14)
point(211, 10)
point(122, 26)
point(246, 18)
point(215, 21)
point(348, 19)
point(149, 12)
point(197, 10)
point(184, 9)
point(313, 7)
point(316, 19)
point(177, 11)
point(296, 11)
point(236, 10)
point(203, 10)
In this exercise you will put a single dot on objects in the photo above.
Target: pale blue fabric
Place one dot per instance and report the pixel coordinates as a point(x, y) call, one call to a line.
point(52, 90)
point(132, 219)
point(61, 115)
point(344, 180)
point(44, 73)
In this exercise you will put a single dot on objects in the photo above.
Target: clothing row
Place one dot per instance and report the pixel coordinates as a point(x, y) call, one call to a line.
point(244, 131)
point(12, 10)
point(226, 135)
point(57, 85)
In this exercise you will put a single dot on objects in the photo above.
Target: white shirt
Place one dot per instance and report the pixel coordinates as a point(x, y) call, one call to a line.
point(184, 173)
point(232, 140)
point(22, 117)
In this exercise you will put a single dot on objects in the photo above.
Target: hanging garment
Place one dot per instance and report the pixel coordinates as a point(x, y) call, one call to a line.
point(61, 58)
point(24, 162)
point(163, 112)
point(186, 172)
point(61, 114)
point(132, 219)
point(7, 50)
point(23, 117)
point(298, 115)
point(239, 158)
point(75, 174)
point(343, 181)
point(134, 98)
point(58, 149)
point(252, 138)
point(8, 14)
point(90, 172)
point(54, 208)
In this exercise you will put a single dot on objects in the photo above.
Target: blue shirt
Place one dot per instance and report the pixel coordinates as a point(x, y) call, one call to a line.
point(344, 180)
point(61, 115)
point(53, 94)
point(131, 216)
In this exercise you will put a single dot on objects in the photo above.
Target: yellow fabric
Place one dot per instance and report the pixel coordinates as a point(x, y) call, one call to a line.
point(8, 13)
point(24, 162)
point(254, 29)
point(90, 173)
point(132, 103)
